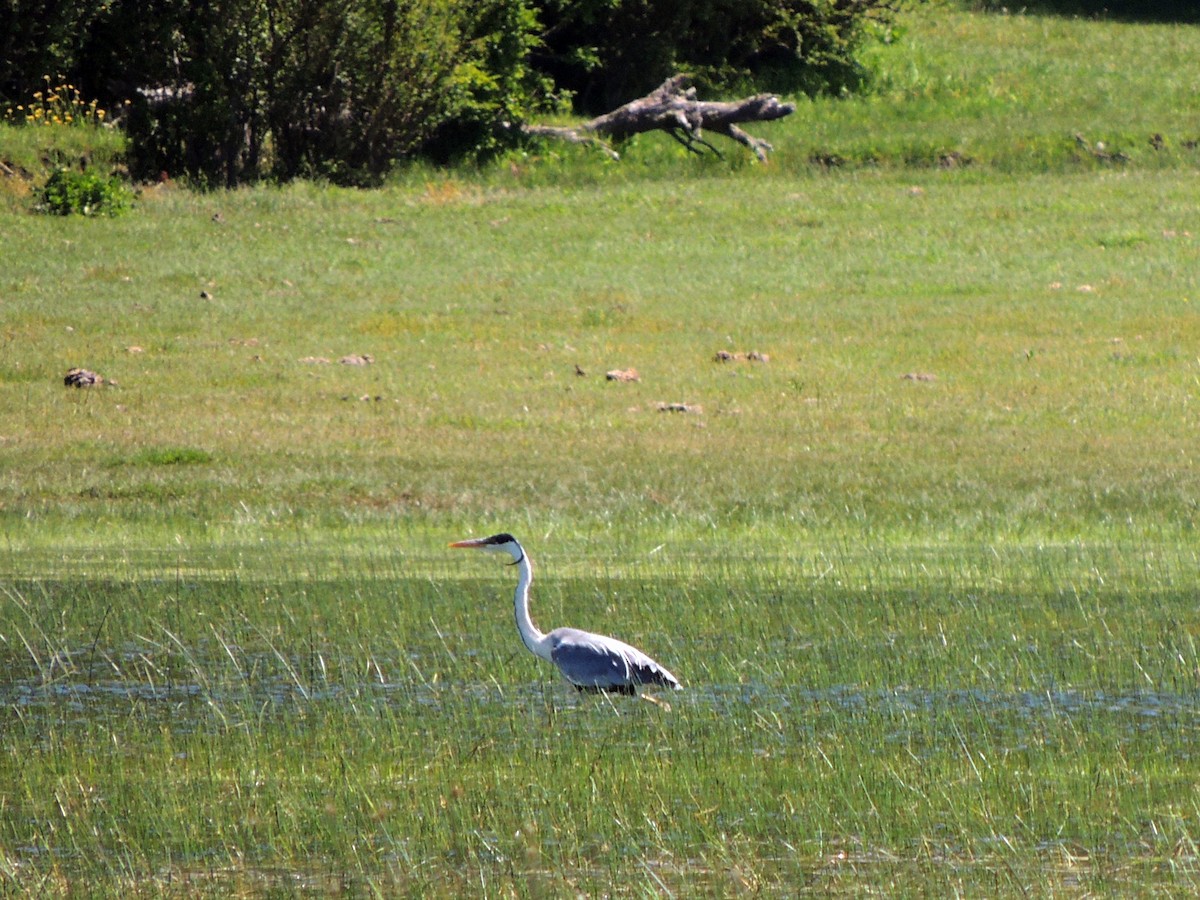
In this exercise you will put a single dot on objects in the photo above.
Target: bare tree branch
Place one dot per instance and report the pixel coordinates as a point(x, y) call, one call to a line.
point(672, 107)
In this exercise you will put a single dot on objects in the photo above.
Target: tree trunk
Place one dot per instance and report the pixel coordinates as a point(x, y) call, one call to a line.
point(673, 108)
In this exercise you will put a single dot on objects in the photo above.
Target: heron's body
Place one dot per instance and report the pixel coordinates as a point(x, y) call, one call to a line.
point(591, 662)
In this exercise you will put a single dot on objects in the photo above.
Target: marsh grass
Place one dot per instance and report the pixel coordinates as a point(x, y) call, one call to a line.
point(928, 572)
point(972, 718)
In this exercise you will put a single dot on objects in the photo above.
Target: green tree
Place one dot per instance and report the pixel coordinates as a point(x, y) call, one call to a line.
point(230, 90)
point(607, 52)
point(40, 38)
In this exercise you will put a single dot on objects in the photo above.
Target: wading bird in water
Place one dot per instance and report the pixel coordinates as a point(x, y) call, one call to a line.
point(591, 662)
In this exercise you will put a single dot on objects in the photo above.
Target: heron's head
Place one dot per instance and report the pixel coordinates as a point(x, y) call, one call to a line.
point(497, 543)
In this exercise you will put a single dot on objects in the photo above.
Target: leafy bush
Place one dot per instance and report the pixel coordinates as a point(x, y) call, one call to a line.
point(365, 84)
point(609, 51)
point(36, 37)
point(493, 83)
point(85, 193)
point(337, 89)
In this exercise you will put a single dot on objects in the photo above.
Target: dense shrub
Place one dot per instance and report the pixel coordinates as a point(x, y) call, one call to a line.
point(40, 38)
point(609, 51)
point(493, 84)
point(229, 90)
point(67, 192)
point(354, 85)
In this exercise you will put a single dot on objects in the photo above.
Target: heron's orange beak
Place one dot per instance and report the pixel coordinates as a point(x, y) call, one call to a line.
point(467, 544)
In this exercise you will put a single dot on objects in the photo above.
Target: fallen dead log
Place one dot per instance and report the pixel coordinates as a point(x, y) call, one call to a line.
point(672, 107)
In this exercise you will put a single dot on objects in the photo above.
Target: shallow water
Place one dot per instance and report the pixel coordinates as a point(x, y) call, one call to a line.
point(79, 694)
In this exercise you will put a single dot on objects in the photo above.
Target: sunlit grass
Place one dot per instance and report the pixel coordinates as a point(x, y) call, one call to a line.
point(1047, 352)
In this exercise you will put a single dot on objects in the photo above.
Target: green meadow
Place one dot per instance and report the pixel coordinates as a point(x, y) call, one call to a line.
point(905, 492)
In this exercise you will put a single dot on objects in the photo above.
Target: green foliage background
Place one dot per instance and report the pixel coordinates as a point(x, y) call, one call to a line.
point(236, 90)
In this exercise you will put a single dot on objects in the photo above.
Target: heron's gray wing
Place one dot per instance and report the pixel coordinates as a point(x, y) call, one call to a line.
point(594, 661)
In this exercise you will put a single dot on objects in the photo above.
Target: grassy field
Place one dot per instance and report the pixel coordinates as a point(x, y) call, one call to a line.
point(928, 570)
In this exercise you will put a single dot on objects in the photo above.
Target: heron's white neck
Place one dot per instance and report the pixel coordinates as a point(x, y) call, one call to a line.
point(537, 642)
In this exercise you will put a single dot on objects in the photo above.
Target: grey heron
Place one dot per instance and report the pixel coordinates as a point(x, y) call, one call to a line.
point(591, 662)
